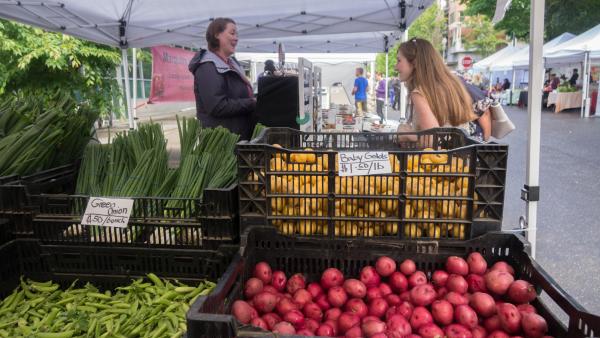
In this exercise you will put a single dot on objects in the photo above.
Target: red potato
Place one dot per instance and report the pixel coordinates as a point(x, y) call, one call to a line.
point(333, 325)
point(286, 305)
point(457, 265)
point(492, 324)
point(477, 264)
point(466, 316)
point(259, 322)
point(398, 282)
point(503, 266)
point(405, 296)
point(368, 318)
point(243, 312)
point(393, 300)
point(311, 324)
point(431, 330)
point(441, 293)
point(416, 279)
point(534, 325)
point(336, 296)
point(510, 317)
point(521, 291)
point(357, 307)
point(385, 266)
point(370, 277)
point(405, 309)
point(322, 302)
point(347, 321)
point(408, 267)
point(498, 281)
point(334, 313)
point(413, 336)
point(295, 283)
point(479, 332)
point(457, 331)
point(325, 330)
point(456, 299)
point(373, 293)
point(296, 318)
point(284, 328)
point(378, 307)
point(380, 335)
point(355, 288)
point(442, 312)
point(271, 289)
point(265, 302)
point(439, 278)
point(385, 289)
point(498, 334)
point(253, 287)
point(420, 317)
point(314, 289)
point(483, 304)
point(279, 280)
point(354, 332)
point(263, 272)
point(423, 295)
point(526, 308)
point(398, 327)
point(301, 296)
point(313, 311)
point(372, 327)
point(457, 283)
point(332, 277)
point(476, 283)
point(271, 319)
point(305, 333)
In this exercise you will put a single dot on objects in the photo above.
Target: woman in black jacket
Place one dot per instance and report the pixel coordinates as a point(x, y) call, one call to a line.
point(224, 95)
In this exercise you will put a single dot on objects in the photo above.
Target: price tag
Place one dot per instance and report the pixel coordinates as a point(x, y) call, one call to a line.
point(360, 163)
point(108, 212)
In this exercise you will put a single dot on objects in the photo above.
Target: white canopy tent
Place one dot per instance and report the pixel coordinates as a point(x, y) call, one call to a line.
point(520, 60)
point(486, 64)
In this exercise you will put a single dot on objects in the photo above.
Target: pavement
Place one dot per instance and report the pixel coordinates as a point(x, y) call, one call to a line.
point(568, 240)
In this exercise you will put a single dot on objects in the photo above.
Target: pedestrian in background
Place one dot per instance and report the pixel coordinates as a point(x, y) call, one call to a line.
point(360, 91)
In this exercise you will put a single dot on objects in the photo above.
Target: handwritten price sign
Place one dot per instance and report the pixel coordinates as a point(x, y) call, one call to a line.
point(108, 212)
point(361, 163)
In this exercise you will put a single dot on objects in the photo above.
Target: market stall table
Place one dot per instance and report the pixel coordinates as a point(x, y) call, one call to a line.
point(562, 101)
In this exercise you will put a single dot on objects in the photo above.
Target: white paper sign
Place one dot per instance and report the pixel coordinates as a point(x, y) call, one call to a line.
point(360, 163)
point(108, 212)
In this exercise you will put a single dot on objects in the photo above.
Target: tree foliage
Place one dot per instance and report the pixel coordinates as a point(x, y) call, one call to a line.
point(481, 37)
point(36, 62)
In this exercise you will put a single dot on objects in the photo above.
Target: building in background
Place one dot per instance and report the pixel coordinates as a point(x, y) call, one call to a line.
point(455, 50)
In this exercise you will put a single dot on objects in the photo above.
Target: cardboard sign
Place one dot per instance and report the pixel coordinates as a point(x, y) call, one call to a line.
point(108, 212)
point(360, 163)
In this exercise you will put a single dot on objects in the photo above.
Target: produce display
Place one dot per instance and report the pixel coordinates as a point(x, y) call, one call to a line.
point(436, 190)
point(35, 135)
point(146, 308)
point(466, 299)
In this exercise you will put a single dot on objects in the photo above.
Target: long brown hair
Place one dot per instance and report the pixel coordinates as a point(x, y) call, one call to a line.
point(216, 27)
point(447, 97)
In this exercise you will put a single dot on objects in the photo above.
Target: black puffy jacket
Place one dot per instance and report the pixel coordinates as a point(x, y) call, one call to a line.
point(222, 95)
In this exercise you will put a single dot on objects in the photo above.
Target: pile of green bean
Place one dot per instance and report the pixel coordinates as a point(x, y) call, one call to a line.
point(146, 308)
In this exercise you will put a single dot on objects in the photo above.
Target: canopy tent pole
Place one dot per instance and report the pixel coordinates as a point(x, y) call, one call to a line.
point(583, 94)
point(586, 86)
point(127, 91)
point(372, 78)
point(512, 86)
point(403, 94)
point(531, 190)
point(134, 82)
point(143, 85)
point(385, 112)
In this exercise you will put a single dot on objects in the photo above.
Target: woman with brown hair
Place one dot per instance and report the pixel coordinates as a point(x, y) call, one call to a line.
point(224, 96)
point(437, 97)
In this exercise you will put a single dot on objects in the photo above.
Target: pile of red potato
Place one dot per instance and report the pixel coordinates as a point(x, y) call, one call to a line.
point(466, 300)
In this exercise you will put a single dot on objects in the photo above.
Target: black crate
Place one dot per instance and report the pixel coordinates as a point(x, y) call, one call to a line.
point(209, 316)
point(16, 191)
point(454, 192)
point(5, 230)
point(154, 222)
point(107, 267)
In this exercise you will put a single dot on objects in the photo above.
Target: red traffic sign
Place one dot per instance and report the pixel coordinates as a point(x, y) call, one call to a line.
point(467, 61)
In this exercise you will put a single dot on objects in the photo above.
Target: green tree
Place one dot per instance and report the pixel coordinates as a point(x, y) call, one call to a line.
point(575, 16)
point(480, 35)
point(429, 26)
point(36, 62)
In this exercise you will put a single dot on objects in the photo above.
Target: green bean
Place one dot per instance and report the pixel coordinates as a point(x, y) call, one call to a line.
point(65, 334)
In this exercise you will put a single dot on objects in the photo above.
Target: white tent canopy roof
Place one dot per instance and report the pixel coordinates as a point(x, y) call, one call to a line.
point(145, 23)
point(575, 49)
point(370, 42)
point(520, 59)
point(485, 64)
point(331, 58)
